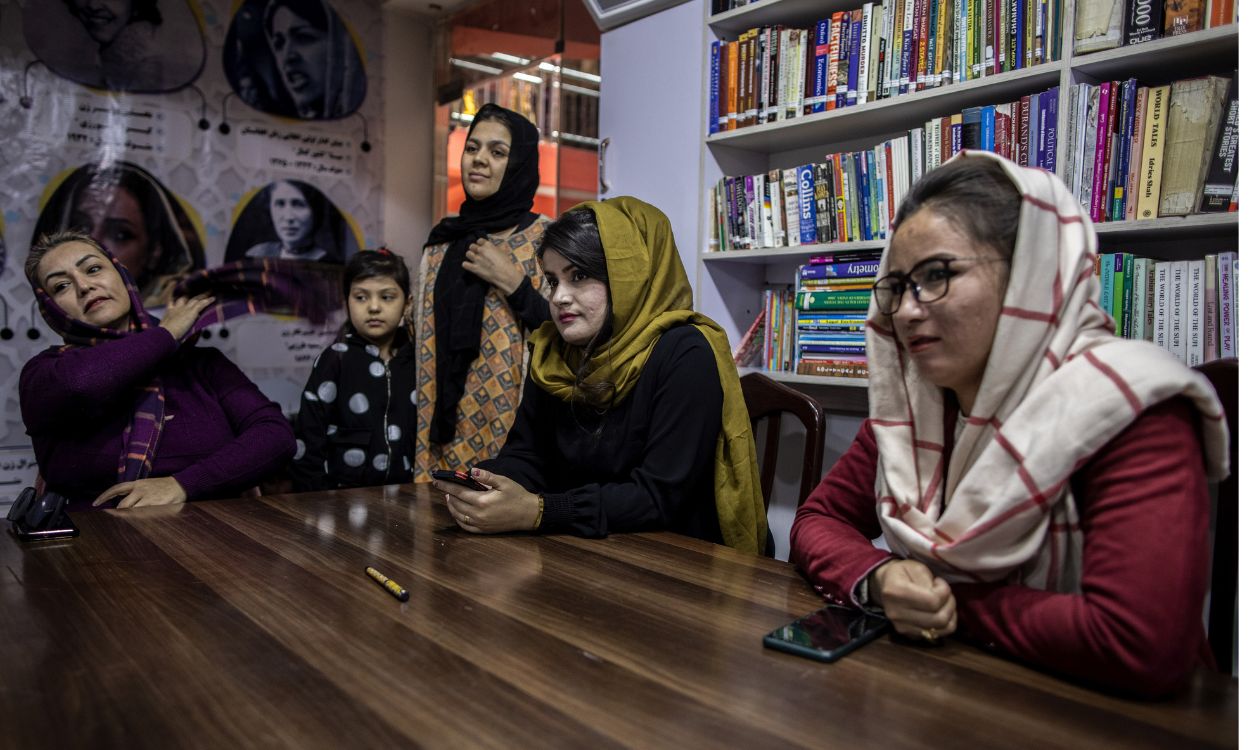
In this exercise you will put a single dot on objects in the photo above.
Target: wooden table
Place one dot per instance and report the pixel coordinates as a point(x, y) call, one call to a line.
point(251, 623)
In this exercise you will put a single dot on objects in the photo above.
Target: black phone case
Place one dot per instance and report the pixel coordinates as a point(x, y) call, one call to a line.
point(444, 475)
point(774, 640)
point(64, 528)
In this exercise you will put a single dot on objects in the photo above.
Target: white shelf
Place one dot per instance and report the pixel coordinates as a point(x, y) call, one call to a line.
point(885, 117)
point(1167, 59)
point(1170, 227)
point(769, 12)
point(789, 255)
point(791, 379)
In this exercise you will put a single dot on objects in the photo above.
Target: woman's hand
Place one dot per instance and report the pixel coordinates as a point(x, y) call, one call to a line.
point(493, 262)
point(160, 491)
point(918, 603)
point(183, 312)
point(506, 506)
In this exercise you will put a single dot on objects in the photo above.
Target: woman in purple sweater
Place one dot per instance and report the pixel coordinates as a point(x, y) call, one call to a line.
point(125, 413)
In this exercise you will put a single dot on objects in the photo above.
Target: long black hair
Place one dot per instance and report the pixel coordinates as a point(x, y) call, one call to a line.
point(575, 235)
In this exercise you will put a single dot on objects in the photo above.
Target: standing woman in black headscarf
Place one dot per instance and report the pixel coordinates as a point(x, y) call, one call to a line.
point(477, 298)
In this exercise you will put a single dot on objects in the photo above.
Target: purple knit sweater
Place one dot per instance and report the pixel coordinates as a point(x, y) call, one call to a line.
point(221, 434)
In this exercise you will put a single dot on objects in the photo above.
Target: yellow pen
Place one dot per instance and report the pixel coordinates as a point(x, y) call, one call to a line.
point(396, 590)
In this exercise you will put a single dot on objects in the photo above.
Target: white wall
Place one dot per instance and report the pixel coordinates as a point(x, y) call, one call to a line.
point(408, 91)
point(649, 106)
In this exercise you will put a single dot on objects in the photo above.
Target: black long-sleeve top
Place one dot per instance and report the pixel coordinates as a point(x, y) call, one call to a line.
point(529, 304)
point(647, 463)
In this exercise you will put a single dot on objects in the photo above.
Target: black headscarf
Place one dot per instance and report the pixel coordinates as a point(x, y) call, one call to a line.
point(460, 295)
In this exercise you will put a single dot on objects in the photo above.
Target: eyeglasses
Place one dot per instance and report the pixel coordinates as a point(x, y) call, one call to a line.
point(929, 281)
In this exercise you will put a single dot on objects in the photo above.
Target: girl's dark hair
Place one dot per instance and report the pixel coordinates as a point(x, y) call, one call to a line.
point(376, 264)
point(976, 196)
point(373, 264)
point(575, 235)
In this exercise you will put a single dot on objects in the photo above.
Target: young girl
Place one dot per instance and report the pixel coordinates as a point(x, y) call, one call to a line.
point(358, 414)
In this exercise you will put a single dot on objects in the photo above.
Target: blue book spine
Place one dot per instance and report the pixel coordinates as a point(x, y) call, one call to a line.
point(714, 94)
point(904, 77)
point(1050, 136)
point(1129, 107)
point(807, 204)
point(852, 73)
point(851, 270)
point(843, 52)
point(874, 219)
point(861, 171)
point(1022, 8)
point(821, 68)
point(987, 128)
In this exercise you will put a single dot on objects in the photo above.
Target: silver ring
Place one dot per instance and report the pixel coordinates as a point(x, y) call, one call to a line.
point(465, 516)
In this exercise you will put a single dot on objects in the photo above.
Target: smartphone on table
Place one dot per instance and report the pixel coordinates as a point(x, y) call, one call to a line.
point(461, 478)
point(828, 634)
point(62, 528)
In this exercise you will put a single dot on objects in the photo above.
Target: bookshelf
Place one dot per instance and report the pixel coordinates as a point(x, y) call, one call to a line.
point(728, 282)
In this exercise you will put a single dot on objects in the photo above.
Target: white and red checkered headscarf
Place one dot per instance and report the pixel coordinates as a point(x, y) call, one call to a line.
point(1058, 386)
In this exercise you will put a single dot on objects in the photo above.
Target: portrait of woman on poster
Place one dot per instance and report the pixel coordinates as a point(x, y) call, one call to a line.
point(477, 297)
point(142, 46)
point(294, 58)
point(134, 217)
point(293, 220)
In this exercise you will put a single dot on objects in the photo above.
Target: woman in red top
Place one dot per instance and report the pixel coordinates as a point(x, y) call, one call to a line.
point(1039, 482)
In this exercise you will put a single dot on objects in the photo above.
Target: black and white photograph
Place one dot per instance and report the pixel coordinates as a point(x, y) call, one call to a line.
point(134, 217)
point(294, 58)
point(291, 219)
point(139, 46)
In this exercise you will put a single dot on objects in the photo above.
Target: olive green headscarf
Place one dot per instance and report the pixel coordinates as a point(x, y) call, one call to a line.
point(650, 294)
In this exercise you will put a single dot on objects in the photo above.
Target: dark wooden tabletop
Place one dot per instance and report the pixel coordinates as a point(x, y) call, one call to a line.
point(252, 623)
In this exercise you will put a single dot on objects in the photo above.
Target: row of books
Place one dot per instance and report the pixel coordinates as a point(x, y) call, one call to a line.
point(1141, 153)
point(1186, 307)
point(878, 51)
point(817, 326)
point(831, 312)
point(1105, 24)
point(851, 197)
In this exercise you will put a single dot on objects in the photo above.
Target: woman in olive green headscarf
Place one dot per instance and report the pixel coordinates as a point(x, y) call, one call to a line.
point(632, 416)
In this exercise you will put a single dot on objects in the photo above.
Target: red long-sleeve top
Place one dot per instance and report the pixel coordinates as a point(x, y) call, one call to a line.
point(1136, 625)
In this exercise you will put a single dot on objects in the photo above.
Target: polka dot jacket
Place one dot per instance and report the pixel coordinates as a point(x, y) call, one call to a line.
point(357, 418)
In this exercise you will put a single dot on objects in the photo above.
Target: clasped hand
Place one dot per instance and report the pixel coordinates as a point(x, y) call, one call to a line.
point(493, 263)
point(506, 506)
point(918, 603)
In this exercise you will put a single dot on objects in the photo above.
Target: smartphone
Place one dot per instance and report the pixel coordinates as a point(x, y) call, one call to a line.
point(461, 478)
point(62, 528)
point(828, 634)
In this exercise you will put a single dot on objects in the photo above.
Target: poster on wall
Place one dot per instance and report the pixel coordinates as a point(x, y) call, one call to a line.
point(118, 45)
point(181, 135)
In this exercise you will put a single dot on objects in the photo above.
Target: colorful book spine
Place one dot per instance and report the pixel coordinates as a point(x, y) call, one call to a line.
point(820, 80)
point(852, 80)
point(832, 300)
point(1150, 186)
point(1228, 321)
point(807, 204)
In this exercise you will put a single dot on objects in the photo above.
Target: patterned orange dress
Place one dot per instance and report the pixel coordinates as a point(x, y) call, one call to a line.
point(492, 388)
